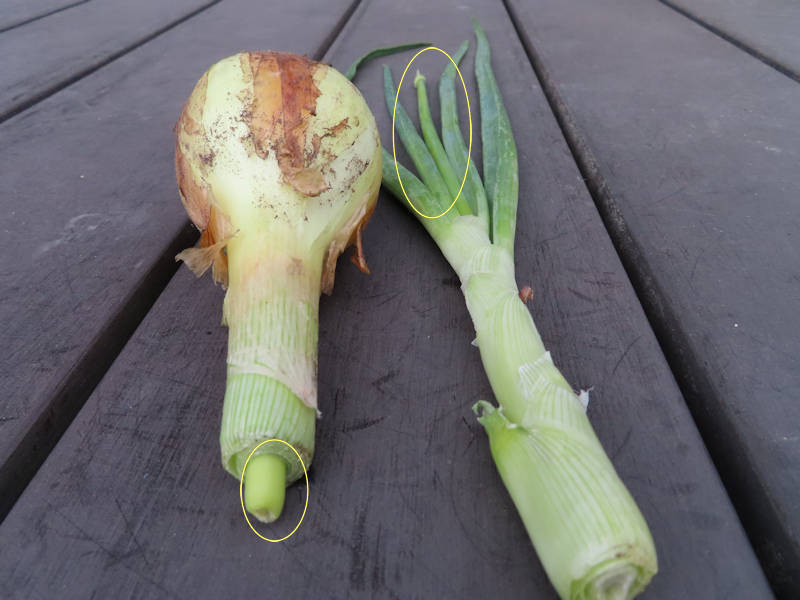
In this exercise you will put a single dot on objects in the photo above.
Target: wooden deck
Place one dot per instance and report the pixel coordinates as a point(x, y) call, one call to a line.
point(659, 225)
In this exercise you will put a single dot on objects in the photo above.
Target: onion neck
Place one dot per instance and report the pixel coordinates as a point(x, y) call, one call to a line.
point(271, 309)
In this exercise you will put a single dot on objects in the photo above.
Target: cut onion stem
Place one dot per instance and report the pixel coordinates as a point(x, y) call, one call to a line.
point(265, 486)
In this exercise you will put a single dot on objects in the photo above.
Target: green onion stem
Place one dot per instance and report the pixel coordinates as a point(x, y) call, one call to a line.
point(265, 486)
point(586, 528)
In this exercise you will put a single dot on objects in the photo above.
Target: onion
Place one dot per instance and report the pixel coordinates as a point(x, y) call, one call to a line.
point(278, 162)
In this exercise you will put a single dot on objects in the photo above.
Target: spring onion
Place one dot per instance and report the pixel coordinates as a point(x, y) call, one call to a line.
point(278, 164)
point(585, 526)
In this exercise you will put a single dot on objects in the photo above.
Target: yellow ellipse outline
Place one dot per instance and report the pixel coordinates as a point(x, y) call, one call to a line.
point(469, 148)
point(241, 496)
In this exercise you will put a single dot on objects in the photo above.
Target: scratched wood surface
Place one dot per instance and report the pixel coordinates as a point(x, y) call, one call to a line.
point(90, 218)
point(405, 501)
point(44, 55)
point(696, 162)
point(18, 12)
point(768, 27)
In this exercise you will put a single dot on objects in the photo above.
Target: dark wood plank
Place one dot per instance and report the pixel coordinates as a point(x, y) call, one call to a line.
point(690, 146)
point(21, 12)
point(90, 217)
point(405, 501)
point(767, 28)
point(45, 55)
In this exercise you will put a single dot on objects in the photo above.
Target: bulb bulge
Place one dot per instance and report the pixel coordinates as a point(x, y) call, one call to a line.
point(276, 144)
point(344, 145)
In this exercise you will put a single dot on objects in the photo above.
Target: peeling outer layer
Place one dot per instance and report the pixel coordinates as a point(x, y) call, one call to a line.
point(297, 377)
point(272, 318)
point(349, 235)
point(196, 195)
point(210, 253)
point(549, 400)
point(284, 97)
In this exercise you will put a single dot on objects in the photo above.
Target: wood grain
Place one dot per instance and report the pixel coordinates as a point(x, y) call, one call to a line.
point(689, 146)
point(405, 501)
point(45, 55)
point(21, 12)
point(765, 28)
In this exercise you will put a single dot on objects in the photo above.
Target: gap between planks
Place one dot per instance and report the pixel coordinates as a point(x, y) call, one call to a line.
point(736, 471)
point(73, 392)
point(27, 20)
point(44, 94)
point(757, 54)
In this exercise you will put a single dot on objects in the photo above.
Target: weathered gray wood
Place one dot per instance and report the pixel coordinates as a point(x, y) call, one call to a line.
point(19, 12)
point(690, 146)
point(767, 28)
point(405, 501)
point(91, 218)
point(45, 55)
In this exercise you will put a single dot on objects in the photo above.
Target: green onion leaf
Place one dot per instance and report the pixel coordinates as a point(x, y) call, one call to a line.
point(500, 175)
point(434, 144)
point(453, 140)
point(378, 52)
point(415, 146)
point(423, 200)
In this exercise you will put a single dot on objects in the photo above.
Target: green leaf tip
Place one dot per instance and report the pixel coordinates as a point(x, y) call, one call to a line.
point(378, 52)
point(500, 169)
point(491, 417)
